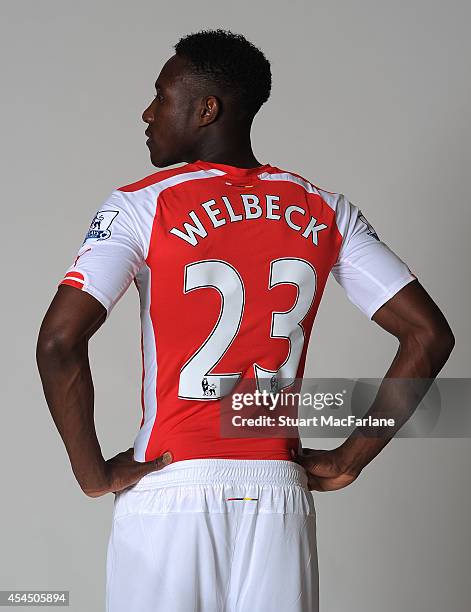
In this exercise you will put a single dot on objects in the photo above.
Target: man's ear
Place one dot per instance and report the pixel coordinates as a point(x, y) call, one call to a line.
point(210, 109)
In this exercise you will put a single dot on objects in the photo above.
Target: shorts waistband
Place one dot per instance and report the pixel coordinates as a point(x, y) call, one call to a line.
point(224, 471)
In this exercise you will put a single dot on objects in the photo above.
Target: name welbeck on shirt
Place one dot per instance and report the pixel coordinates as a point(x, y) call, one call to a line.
point(215, 214)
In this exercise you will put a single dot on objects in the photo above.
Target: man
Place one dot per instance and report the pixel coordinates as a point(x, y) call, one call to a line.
point(230, 258)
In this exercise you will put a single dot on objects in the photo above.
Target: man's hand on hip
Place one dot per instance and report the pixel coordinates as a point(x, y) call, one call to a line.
point(122, 471)
point(325, 469)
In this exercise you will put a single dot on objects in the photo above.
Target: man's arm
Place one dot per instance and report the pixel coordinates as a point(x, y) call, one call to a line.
point(425, 343)
point(62, 358)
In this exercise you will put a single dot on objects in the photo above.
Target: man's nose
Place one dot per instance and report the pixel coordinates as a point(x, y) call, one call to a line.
point(148, 115)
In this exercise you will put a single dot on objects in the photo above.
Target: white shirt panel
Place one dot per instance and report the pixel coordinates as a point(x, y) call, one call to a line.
point(112, 252)
point(369, 271)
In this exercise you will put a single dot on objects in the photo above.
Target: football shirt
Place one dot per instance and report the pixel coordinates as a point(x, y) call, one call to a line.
point(230, 264)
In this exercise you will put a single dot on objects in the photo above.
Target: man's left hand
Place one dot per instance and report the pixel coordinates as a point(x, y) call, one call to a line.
point(325, 469)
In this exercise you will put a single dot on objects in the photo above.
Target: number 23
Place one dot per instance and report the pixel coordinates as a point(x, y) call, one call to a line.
point(196, 381)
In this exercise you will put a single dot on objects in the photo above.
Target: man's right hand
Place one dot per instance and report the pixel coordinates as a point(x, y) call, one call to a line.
point(122, 471)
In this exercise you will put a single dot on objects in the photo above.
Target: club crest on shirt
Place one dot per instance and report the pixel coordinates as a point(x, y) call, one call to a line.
point(100, 225)
point(370, 231)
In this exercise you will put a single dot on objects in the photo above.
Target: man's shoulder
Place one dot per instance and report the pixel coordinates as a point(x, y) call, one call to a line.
point(154, 179)
point(330, 197)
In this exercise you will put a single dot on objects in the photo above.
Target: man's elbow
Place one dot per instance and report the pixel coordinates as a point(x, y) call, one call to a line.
point(442, 340)
point(53, 345)
point(93, 493)
point(437, 341)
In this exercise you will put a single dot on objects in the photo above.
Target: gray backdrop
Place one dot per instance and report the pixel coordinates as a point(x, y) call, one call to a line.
point(371, 99)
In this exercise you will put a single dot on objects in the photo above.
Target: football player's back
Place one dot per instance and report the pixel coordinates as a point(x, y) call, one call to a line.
point(238, 260)
point(231, 264)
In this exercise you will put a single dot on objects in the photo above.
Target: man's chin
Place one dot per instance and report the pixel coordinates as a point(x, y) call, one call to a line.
point(159, 162)
point(155, 161)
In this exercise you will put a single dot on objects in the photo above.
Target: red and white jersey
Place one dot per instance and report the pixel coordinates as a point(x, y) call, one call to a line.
point(230, 265)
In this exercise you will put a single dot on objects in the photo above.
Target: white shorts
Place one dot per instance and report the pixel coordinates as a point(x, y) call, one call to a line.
point(215, 535)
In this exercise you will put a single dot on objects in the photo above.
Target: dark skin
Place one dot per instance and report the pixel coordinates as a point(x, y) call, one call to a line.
point(425, 343)
point(189, 120)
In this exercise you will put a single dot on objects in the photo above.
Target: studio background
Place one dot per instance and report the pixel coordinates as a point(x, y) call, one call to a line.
point(370, 99)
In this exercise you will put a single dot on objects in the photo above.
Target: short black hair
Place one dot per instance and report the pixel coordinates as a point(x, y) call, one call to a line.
point(230, 61)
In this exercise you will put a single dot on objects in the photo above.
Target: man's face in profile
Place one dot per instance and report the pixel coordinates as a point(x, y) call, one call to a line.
point(171, 115)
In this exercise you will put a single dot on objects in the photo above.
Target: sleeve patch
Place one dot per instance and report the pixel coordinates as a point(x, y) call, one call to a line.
point(370, 231)
point(100, 225)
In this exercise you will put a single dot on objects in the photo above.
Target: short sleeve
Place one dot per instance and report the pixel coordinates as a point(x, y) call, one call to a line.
point(111, 253)
point(369, 271)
